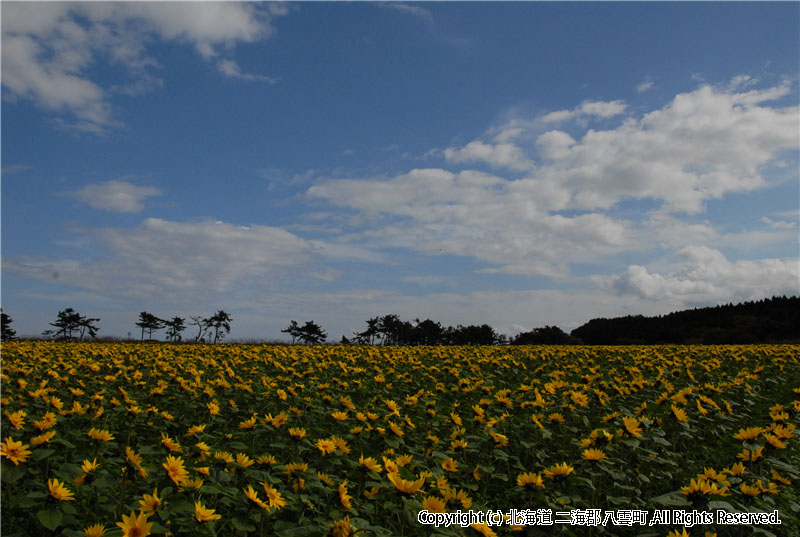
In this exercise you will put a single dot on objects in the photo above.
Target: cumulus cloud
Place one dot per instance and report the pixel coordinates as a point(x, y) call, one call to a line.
point(506, 223)
point(503, 155)
point(166, 259)
point(601, 109)
point(701, 145)
point(48, 48)
point(708, 277)
point(116, 196)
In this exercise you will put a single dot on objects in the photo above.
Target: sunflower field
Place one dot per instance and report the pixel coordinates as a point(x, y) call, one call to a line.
point(228, 440)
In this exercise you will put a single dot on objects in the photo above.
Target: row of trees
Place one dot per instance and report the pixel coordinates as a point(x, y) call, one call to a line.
point(217, 325)
point(391, 330)
point(72, 326)
point(765, 321)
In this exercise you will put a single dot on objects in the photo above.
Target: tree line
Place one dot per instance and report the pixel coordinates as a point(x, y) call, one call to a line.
point(772, 320)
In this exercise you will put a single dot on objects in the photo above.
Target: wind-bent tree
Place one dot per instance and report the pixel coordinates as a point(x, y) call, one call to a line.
point(174, 328)
point(219, 321)
point(293, 330)
point(86, 325)
point(149, 322)
point(70, 321)
point(312, 334)
point(202, 328)
point(6, 332)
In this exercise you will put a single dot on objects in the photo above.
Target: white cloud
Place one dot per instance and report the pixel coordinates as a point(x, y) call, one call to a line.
point(702, 145)
point(416, 11)
point(601, 109)
point(116, 196)
point(166, 260)
point(505, 223)
point(231, 69)
point(48, 47)
point(708, 277)
point(645, 85)
point(503, 155)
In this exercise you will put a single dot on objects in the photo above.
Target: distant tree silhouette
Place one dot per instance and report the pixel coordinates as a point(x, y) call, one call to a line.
point(772, 320)
point(293, 330)
point(547, 335)
point(148, 321)
point(220, 322)
point(202, 328)
point(311, 333)
point(6, 332)
point(174, 328)
point(68, 322)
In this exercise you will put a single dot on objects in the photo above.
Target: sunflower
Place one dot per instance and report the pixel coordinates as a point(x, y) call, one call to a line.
point(370, 464)
point(750, 456)
point(325, 445)
point(43, 438)
point(449, 465)
point(243, 460)
point(252, 495)
point(341, 444)
point(404, 486)
point(100, 434)
point(176, 469)
point(344, 498)
point(632, 426)
point(47, 421)
point(273, 496)
point(135, 461)
point(97, 530)
point(751, 433)
point(248, 423)
point(135, 525)
point(676, 533)
point(338, 415)
point(775, 442)
point(170, 444)
point(343, 528)
point(297, 432)
point(483, 529)
point(17, 419)
point(59, 491)
point(529, 478)
point(195, 429)
point(750, 490)
point(148, 503)
point(458, 444)
point(433, 504)
point(737, 469)
point(558, 471)
point(680, 414)
point(593, 455)
point(203, 514)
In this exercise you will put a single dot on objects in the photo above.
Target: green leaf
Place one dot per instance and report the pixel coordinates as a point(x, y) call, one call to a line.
point(12, 474)
point(68, 508)
point(725, 506)
point(157, 528)
point(671, 498)
point(50, 519)
point(65, 443)
point(41, 454)
point(241, 525)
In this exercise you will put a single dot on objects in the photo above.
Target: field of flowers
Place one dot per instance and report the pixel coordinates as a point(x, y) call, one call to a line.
point(137, 440)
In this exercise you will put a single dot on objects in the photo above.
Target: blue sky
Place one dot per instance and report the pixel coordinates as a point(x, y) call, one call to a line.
point(518, 164)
